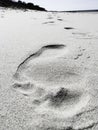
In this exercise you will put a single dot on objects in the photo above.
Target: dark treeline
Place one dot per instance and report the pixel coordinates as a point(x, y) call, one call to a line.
point(20, 5)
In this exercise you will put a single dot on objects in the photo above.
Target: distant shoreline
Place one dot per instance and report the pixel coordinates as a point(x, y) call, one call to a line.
point(77, 11)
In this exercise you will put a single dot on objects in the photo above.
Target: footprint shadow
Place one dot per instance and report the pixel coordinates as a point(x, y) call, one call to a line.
point(61, 97)
point(70, 102)
point(68, 28)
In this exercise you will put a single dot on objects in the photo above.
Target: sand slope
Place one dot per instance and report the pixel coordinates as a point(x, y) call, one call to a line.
point(48, 70)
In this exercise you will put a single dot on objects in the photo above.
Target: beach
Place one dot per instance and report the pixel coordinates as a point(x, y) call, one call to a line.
point(48, 70)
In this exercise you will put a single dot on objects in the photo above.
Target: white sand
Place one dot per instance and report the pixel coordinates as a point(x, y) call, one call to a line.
point(56, 88)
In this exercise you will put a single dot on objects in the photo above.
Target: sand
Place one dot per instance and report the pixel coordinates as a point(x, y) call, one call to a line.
point(48, 70)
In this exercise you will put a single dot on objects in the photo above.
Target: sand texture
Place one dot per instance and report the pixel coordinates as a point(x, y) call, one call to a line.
point(48, 70)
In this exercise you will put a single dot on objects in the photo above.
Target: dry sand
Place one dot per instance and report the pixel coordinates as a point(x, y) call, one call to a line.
point(48, 70)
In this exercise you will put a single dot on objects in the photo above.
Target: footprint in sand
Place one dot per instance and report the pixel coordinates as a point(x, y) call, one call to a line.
point(55, 84)
point(81, 35)
point(59, 19)
point(49, 22)
point(68, 28)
